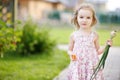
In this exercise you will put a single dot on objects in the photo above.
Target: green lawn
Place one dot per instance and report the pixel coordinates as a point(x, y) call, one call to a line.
point(62, 36)
point(35, 67)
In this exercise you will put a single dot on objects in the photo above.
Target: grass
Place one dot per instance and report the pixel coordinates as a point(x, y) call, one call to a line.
point(34, 67)
point(62, 36)
point(105, 34)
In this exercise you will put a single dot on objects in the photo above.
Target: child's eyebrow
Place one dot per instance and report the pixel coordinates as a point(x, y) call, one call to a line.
point(80, 15)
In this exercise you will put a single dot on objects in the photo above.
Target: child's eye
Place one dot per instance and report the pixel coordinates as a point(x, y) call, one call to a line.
point(88, 17)
point(81, 16)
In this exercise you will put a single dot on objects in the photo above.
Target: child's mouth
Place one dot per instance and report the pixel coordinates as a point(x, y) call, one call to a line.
point(84, 24)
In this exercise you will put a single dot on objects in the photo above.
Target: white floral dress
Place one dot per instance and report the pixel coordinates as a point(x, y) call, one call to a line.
point(87, 58)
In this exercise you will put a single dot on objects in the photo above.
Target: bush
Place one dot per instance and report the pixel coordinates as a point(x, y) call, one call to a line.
point(34, 40)
point(8, 38)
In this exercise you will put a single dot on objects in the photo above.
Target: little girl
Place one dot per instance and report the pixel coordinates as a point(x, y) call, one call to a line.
point(84, 45)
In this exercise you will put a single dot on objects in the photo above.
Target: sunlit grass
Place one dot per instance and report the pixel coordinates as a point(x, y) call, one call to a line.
point(33, 67)
point(105, 34)
point(62, 36)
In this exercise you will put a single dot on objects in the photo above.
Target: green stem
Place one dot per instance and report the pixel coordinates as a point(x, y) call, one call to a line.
point(96, 70)
point(101, 62)
point(103, 59)
point(106, 54)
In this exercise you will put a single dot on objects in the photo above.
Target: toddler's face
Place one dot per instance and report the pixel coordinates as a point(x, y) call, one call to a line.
point(85, 18)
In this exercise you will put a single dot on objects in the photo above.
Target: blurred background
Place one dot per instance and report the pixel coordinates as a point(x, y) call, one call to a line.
point(33, 32)
point(56, 11)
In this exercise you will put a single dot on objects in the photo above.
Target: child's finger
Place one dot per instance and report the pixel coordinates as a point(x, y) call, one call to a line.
point(109, 42)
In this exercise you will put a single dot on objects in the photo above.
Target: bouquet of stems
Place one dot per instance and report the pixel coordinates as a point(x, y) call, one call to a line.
point(101, 63)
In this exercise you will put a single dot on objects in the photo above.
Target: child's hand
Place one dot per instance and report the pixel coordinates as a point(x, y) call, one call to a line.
point(109, 42)
point(74, 58)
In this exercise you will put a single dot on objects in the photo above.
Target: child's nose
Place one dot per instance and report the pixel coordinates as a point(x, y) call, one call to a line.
point(84, 19)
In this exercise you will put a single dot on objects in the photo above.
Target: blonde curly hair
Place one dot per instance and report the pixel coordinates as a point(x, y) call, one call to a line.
point(84, 6)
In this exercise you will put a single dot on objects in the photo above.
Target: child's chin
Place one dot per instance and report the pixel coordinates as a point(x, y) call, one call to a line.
point(84, 27)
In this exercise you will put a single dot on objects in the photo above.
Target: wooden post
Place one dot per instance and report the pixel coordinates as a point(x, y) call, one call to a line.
point(15, 11)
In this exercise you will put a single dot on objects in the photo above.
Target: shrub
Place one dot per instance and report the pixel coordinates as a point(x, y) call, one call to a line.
point(8, 38)
point(34, 39)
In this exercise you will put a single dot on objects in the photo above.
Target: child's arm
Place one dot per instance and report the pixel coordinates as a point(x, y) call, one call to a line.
point(70, 46)
point(100, 50)
point(97, 46)
point(70, 49)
